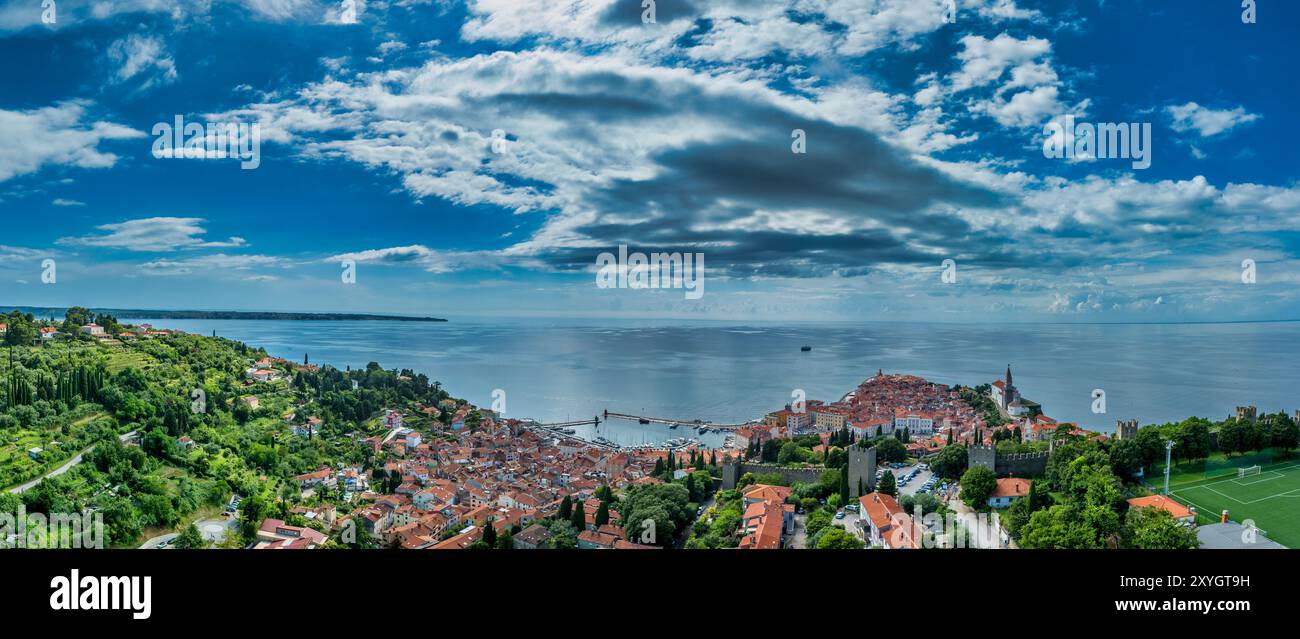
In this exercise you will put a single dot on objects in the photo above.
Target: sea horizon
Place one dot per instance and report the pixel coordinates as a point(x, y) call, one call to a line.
point(638, 317)
point(723, 372)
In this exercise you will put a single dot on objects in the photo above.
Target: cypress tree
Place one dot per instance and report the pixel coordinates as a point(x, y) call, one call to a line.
point(579, 516)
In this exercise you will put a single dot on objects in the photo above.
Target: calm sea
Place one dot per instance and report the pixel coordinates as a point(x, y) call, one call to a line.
point(560, 370)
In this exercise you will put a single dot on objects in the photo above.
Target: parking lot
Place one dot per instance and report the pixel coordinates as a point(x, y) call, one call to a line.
point(213, 531)
point(915, 484)
point(848, 521)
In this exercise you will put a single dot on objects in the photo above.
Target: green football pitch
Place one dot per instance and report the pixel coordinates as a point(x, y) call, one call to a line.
point(1271, 499)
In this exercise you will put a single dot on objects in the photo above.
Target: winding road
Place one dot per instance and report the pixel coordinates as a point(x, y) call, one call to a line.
point(22, 488)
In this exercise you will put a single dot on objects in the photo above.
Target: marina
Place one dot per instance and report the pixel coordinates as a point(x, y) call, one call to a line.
point(624, 431)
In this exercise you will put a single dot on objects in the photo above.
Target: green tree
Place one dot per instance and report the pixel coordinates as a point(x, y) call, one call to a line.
point(1058, 527)
point(1234, 436)
point(818, 520)
point(790, 453)
point(1154, 528)
point(889, 449)
point(1126, 458)
point(20, 332)
point(951, 462)
point(563, 536)
point(888, 484)
point(579, 516)
point(1151, 445)
point(1284, 433)
point(75, 318)
point(927, 502)
point(836, 538)
point(1193, 439)
point(191, 538)
point(976, 486)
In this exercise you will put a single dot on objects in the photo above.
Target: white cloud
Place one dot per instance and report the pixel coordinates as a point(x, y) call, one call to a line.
point(737, 30)
point(1208, 122)
point(153, 234)
point(65, 202)
point(56, 135)
point(735, 39)
point(985, 61)
point(1025, 108)
point(1027, 87)
point(279, 9)
point(210, 263)
point(429, 259)
point(345, 12)
point(11, 254)
point(143, 56)
point(391, 46)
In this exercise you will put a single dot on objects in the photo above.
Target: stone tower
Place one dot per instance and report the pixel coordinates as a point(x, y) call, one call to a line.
point(730, 475)
point(979, 455)
point(1246, 413)
point(862, 469)
point(1126, 429)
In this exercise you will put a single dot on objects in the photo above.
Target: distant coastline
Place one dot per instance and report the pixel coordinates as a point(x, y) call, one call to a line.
point(125, 314)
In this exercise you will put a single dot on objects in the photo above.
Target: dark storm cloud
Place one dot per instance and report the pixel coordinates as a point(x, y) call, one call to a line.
point(600, 108)
point(627, 13)
point(847, 174)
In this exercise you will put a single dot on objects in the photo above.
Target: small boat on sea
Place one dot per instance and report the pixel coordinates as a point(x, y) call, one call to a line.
point(674, 425)
point(806, 348)
point(643, 421)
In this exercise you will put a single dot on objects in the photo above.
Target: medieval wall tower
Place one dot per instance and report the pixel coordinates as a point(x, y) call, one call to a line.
point(1126, 429)
point(862, 470)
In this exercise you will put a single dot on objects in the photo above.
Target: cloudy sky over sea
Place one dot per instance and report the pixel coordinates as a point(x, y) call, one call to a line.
point(478, 156)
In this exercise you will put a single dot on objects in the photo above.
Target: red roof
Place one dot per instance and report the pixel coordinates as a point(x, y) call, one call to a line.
point(1011, 487)
point(1162, 502)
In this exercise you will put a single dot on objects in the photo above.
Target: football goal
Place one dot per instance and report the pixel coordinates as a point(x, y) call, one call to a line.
point(1247, 471)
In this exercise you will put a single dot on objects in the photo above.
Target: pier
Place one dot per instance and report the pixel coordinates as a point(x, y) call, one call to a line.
point(558, 429)
point(696, 423)
point(593, 421)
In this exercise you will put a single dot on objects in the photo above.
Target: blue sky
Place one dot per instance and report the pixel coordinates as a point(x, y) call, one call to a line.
point(924, 143)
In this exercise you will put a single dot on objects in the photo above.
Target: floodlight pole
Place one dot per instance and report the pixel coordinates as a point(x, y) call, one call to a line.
point(1169, 449)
